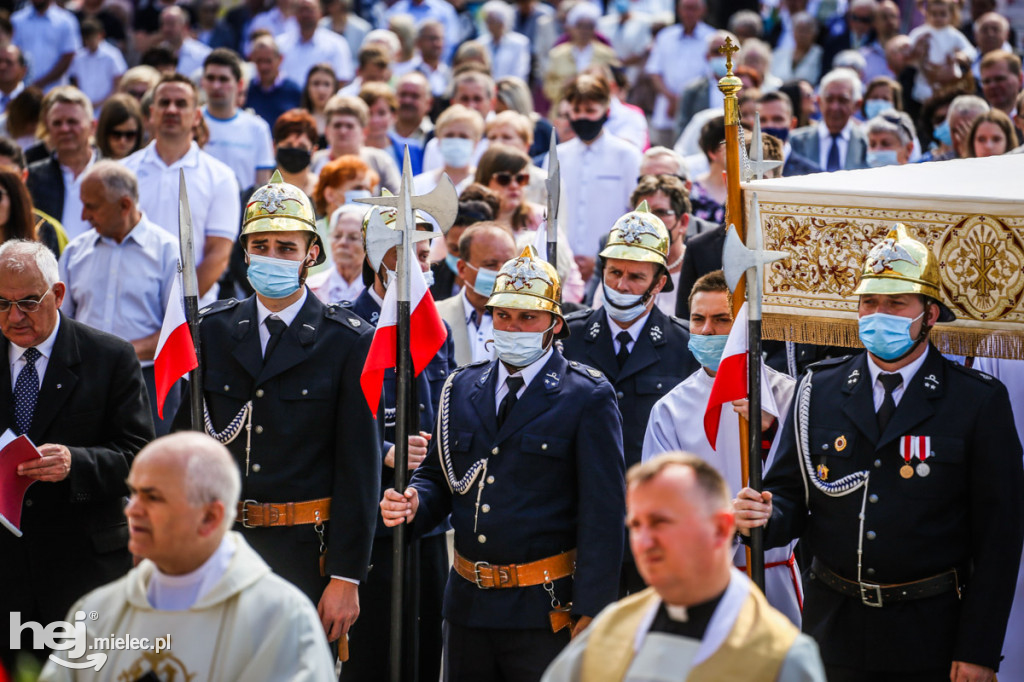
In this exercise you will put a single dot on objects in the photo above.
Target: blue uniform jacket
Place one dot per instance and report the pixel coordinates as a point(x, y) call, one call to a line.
point(554, 481)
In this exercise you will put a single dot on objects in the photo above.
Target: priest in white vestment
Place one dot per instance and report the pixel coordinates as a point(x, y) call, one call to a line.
point(677, 423)
point(202, 605)
point(700, 619)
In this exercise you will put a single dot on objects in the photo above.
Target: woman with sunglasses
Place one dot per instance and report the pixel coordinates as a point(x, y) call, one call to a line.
point(505, 171)
point(119, 130)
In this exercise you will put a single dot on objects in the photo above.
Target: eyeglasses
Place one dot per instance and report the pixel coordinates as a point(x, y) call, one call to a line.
point(124, 134)
point(664, 213)
point(504, 178)
point(661, 176)
point(27, 305)
point(897, 120)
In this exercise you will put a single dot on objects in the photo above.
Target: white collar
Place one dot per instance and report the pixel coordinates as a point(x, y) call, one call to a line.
point(529, 372)
point(376, 297)
point(468, 308)
point(287, 315)
point(844, 134)
point(907, 371)
point(14, 351)
point(633, 329)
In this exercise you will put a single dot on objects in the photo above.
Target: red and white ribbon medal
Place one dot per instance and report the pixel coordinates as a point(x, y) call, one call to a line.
point(924, 450)
point(915, 447)
point(907, 453)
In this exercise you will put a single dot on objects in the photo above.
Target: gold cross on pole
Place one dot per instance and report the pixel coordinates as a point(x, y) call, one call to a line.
point(728, 49)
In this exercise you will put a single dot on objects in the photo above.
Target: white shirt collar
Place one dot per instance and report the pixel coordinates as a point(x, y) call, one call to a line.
point(528, 373)
point(633, 329)
point(468, 308)
point(907, 371)
point(844, 134)
point(14, 351)
point(287, 315)
point(375, 296)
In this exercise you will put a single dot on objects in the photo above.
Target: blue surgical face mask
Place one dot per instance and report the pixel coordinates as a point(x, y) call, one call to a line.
point(874, 107)
point(452, 262)
point(428, 277)
point(624, 307)
point(887, 336)
point(353, 194)
point(484, 284)
point(719, 67)
point(457, 152)
point(942, 134)
point(708, 349)
point(520, 349)
point(882, 157)
point(621, 6)
point(781, 133)
point(274, 277)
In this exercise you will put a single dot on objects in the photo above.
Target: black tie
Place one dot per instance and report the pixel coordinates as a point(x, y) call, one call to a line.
point(624, 340)
point(890, 382)
point(833, 156)
point(510, 399)
point(26, 392)
point(276, 328)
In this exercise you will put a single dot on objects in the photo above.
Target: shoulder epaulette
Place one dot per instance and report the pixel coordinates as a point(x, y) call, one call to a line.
point(829, 362)
point(345, 317)
point(218, 306)
point(680, 322)
point(587, 371)
point(581, 314)
point(974, 373)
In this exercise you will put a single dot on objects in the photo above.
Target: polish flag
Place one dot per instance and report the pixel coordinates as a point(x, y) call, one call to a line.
point(427, 334)
point(175, 353)
point(731, 379)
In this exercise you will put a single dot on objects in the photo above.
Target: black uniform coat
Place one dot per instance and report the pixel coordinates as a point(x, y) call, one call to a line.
point(660, 359)
point(312, 433)
point(554, 482)
point(965, 515)
point(93, 401)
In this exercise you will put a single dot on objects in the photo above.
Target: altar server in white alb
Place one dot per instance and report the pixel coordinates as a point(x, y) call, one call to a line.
point(677, 423)
point(700, 620)
point(216, 607)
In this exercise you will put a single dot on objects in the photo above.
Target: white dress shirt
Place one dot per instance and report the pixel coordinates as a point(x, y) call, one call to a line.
point(325, 46)
point(633, 330)
point(510, 57)
point(287, 316)
point(17, 362)
point(825, 143)
point(678, 58)
point(71, 218)
point(191, 56)
point(598, 179)
point(907, 372)
point(45, 38)
point(95, 71)
point(528, 374)
point(480, 332)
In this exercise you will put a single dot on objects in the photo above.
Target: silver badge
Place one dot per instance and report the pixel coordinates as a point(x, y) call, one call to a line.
point(656, 333)
point(634, 228)
point(930, 382)
point(883, 255)
point(595, 329)
point(522, 271)
point(853, 378)
point(272, 198)
point(923, 469)
point(551, 380)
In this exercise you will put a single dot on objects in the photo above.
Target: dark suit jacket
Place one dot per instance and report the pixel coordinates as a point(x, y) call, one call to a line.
point(703, 255)
point(444, 280)
point(93, 401)
point(692, 100)
point(554, 482)
point(798, 164)
point(964, 515)
point(45, 183)
point(805, 142)
point(312, 433)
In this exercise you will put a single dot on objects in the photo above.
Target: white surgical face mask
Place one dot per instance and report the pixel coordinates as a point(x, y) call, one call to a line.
point(520, 349)
point(624, 307)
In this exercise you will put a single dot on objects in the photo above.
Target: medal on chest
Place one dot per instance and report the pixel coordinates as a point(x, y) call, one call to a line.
point(915, 448)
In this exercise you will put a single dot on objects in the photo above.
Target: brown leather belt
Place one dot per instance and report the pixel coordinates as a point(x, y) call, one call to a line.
point(253, 514)
point(492, 576)
point(874, 594)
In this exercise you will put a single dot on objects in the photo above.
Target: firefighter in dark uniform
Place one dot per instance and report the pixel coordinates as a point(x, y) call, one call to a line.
point(529, 463)
point(369, 638)
point(901, 471)
point(642, 351)
point(281, 387)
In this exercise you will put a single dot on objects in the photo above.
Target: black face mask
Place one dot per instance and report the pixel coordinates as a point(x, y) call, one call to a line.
point(293, 159)
point(587, 129)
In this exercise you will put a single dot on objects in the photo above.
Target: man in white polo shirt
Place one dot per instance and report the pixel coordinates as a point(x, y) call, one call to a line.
point(213, 193)
point(312, 45)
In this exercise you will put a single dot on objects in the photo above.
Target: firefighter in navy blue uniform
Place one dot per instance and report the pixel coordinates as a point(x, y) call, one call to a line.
point(529, 463)
point(641, 350)
point(369, 638)
point(281, 387)
point(901, 471)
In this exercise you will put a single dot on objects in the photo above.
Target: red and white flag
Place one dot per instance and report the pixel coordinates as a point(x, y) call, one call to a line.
point(175, 352)
point(427, 334)
point(731, 379)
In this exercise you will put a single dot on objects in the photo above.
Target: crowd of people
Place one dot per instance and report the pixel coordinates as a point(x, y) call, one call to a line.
point(281, 116)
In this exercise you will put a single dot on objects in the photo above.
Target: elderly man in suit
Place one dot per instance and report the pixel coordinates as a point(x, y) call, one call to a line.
point(78, 394)
point(483, 249)
point(837, 141)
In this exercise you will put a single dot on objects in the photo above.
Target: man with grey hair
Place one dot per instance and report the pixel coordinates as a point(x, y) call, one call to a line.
point(119, 274)
point(509, 51)
point(200, 589)
point(78, 394)
point(837, 141)
point(959, 116)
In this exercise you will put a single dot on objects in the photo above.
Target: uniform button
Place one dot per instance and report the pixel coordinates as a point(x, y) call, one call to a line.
point(444, 372)
point(543, 446)
point(259, 392)
point(871, 571)
point(494, 450)
point(259, 429)
point(490, 479)
point(878, 464)
point(481, 538)
point(423, 407)
point(256, 467)
point(28, 503)
point(870, 535)
point(825, 446)
point(872, 498)
point(620, 395)
point(486, 508)
point(305, 392)
point(658, 386)
point(226, 387)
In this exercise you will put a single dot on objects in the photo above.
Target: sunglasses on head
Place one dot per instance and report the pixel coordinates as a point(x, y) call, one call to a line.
point(124, 134)
point(504, 178)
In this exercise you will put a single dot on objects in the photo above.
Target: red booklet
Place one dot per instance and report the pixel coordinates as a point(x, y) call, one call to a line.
point(13, 451)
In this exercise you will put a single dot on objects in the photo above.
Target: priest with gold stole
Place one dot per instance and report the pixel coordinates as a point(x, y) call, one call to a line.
point(700, 619)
